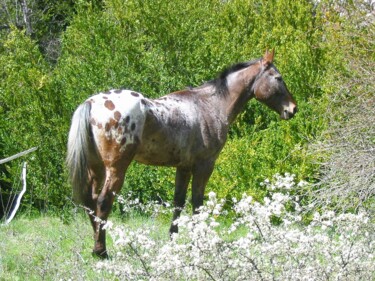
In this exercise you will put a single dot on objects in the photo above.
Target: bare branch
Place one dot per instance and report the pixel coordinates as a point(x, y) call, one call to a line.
point(2, 161)
point(26, 17)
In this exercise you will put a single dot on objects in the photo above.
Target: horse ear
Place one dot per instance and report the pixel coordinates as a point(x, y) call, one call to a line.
point(268, 57)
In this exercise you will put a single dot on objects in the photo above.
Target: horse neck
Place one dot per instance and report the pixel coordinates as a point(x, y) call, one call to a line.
point(240, 90)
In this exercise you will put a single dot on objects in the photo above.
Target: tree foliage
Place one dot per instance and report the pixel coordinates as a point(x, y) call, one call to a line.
point(156, 47)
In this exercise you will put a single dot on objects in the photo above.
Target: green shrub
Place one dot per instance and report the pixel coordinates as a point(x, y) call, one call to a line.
point(29, 118)
point(156, 47)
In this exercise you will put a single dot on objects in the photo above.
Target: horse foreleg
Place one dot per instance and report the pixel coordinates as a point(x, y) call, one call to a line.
point(201, 175)
point(181, 184)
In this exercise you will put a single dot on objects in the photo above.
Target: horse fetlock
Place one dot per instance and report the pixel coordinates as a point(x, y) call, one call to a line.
point(173, 228)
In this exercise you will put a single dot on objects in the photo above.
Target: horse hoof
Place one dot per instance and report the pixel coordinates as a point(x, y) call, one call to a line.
point(173, 229)
point(100, 254)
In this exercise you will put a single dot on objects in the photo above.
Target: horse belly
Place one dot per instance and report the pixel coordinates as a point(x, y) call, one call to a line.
point(161, 152)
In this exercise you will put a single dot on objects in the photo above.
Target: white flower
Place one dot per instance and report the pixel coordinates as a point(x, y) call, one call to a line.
point(212, 195)
point(287, 251)
point(214, 224)
point(216, 212)
point(108, 225)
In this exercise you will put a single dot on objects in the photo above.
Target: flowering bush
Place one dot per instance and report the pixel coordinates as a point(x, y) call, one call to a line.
point(331, 247)
point(132, 203)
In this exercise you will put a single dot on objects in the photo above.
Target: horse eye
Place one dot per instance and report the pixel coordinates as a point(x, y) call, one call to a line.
point(278, 78)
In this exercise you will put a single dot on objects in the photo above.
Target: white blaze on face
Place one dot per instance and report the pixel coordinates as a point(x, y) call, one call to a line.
point(118, 115)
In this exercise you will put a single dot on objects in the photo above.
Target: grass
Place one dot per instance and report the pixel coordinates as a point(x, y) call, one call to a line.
point(43, 249)
point(59, 248)
point(52, 248)
point(46, 248)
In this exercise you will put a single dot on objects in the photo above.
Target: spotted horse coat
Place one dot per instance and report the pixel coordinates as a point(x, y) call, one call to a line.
point(117, 119)
point(185, 129)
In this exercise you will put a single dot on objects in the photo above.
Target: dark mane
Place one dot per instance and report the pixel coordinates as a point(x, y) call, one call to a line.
point(220, 83)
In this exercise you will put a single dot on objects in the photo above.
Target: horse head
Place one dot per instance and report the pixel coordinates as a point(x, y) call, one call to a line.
point(270, 89)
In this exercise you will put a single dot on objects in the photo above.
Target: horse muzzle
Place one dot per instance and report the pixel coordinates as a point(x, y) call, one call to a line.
point(289, 112)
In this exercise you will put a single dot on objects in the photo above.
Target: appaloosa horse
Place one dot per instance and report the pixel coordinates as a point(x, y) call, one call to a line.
point(185, 129)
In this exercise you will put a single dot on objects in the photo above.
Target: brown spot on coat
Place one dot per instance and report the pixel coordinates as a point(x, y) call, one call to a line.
point(134, 94)
point(182, 92)
point(117, 115)
point(132, 127)
point(92, 121)
point(113, 123)
point(118, 91)
point(123, 141)
point(109, 104)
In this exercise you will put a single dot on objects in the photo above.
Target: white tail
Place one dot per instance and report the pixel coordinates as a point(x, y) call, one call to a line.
point(79, 147)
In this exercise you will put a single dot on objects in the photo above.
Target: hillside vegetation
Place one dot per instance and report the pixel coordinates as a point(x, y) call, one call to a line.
point(57, 55)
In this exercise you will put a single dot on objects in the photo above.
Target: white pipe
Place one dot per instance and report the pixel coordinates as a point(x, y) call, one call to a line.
point(18, 202)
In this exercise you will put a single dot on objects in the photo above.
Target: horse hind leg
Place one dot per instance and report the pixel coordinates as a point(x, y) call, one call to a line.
point(96, 179)
point(114, 179)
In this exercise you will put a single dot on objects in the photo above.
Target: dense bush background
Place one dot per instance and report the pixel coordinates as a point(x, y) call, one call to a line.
point(57, 55)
